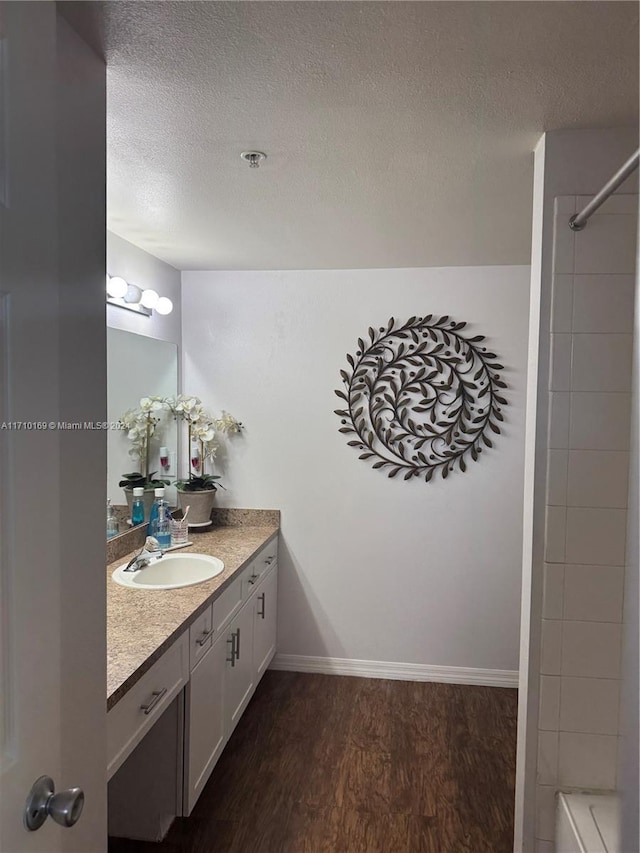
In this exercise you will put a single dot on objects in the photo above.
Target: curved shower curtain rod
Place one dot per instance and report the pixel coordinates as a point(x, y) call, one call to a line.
point(577, 222)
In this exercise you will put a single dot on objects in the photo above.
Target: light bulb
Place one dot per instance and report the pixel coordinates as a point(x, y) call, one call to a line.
point(133, 294)
point(117, 287)
point(164, 305)
point(149, 298)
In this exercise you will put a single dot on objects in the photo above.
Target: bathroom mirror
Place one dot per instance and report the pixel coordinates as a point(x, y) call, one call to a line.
point(138, 367)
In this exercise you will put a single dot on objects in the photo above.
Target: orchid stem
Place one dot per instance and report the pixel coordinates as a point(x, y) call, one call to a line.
point(146, 455)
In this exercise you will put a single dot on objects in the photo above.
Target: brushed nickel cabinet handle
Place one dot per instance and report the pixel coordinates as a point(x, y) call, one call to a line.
point(264, 605)
point(203, 639)
point(157, 696)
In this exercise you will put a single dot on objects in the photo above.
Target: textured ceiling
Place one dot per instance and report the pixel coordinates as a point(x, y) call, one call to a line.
point(398, 134)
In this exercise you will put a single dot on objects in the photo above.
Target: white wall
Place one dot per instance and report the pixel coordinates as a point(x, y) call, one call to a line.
point(371, 568)
point(146, 271)
point(567, 162)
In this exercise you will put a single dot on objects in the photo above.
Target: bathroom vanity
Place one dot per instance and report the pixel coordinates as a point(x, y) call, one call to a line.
point(183, 665)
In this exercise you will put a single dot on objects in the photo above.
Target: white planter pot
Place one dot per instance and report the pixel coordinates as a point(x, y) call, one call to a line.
point(147, 499)
point(201, 504)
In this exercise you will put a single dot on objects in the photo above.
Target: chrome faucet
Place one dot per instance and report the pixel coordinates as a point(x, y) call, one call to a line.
point(150, 550)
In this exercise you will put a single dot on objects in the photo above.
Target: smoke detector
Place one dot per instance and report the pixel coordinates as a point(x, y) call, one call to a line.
point(253, 158)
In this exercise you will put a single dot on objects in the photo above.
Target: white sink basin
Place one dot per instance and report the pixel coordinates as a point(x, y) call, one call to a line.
point(171, 572)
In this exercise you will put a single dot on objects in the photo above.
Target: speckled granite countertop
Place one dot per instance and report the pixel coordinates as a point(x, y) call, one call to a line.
point(142, 624)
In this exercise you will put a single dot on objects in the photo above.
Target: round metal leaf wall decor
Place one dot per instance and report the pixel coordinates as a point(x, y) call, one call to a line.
point(421, 397)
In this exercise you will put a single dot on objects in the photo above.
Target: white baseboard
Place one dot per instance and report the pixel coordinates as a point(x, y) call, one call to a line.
point(397, 671)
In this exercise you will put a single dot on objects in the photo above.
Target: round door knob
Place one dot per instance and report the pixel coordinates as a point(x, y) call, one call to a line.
point(65, 807)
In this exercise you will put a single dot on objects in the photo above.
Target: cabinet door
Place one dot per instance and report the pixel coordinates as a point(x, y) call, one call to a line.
point(239, 681)
point(264, 629)
point(205, 720)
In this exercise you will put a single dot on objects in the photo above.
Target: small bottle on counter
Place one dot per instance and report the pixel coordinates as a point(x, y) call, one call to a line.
point(137, 507)
point(153, 515)
point(112, 521)
point(161, 526)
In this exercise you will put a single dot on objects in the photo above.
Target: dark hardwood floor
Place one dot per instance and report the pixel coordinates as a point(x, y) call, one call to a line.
point(329, 764)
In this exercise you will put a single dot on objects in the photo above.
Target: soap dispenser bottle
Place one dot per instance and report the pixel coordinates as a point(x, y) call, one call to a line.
point(137, 507)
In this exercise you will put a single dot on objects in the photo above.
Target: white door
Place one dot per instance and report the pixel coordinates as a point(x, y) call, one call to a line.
point(52, 480)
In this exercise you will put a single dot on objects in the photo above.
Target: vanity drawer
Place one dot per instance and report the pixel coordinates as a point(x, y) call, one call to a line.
point(137, 711)
point(200, 636)
point(229, 603)
point(259, 566)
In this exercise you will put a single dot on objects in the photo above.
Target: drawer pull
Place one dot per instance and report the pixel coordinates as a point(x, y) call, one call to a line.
point(269, 560)
point(264, 605)
point(203, 638)
point(238, 644)
point(253, 579)
point(232, 659)
point(157, 696)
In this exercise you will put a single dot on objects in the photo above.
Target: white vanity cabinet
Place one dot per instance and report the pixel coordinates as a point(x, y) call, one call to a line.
point(193, 696)
point(242, 630)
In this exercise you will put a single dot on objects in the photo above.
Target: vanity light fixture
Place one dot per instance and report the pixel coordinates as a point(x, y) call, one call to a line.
point(130, 296)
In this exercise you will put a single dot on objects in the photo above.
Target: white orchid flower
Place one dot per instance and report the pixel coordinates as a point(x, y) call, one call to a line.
point(151, 404)
point(210, 449)
point(227, 423)
point(204, 433)
point(143, 422)
point(186, 404)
